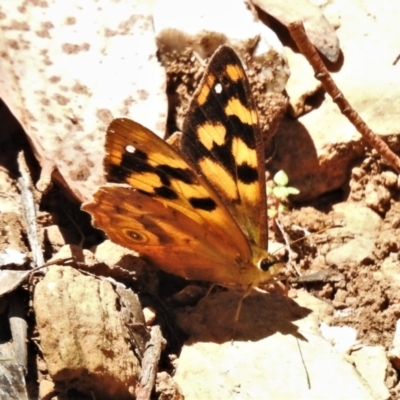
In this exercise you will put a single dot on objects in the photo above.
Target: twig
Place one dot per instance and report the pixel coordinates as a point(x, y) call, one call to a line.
point(132, 315)
point(29, 210)
point(330, 274)
point(304, 365)
point(59, 261)
point(321, 73)
point(18, 324)
point(150, 364)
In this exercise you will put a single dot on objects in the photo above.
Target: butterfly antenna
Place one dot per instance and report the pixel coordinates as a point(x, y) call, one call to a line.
point(199, 59)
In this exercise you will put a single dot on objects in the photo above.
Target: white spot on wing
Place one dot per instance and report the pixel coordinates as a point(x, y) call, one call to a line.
point(218, 88)
point(130, 148)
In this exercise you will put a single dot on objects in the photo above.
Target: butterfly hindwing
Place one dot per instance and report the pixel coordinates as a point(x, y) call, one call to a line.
point(174, 241)
point(222, 138)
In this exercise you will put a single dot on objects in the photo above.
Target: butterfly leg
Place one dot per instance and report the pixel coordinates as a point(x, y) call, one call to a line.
point(210, 289)
point(239, 307)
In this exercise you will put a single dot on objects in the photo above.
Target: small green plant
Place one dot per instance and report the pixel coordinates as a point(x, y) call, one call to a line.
point(278, 193)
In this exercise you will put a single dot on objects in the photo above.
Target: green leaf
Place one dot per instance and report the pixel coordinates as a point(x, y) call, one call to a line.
point(292, 190)
point(280, 192)
point(281, 179)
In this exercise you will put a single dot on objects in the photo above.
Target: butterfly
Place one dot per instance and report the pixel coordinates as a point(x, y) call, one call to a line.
point(200, 212)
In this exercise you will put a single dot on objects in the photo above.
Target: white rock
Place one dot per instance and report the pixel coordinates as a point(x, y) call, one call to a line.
point(358, 220)
point(391, 270)
point(394, 352)
point(377, 197)
point(389, 179)
point(12, 256)
point(150, 315)
point(357, 250)
point(83, 336)
point(363, 225)
point(343, 338)
point(270, 357)
point(371, 362)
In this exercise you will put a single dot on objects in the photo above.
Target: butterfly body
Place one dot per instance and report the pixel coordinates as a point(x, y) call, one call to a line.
point(199, 213)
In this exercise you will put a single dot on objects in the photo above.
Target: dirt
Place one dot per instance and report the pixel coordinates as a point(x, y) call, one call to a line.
point(371, 298)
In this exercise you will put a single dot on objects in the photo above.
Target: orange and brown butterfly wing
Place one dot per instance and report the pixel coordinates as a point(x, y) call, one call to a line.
point(167, 238)
point(168, 190)
point(138, 157)
point(222, 139)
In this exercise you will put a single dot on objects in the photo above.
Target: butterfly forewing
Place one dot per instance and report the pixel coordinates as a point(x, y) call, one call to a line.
point(136, 156)
point(221, 137)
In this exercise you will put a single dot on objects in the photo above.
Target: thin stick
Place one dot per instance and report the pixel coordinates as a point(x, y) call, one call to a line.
point(304, 365)
point(321, 73)
point(149, 364)
point(29, 210)
point(17, 315)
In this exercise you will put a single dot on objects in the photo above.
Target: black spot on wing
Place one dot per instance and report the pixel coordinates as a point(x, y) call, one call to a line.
point(145, 193)
point(243, 131)
point(166, 193)
point(136, 161)
point(203, 203)
point(247, 174)
point(230, 89)
point(223, 154)
point(180, 174)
